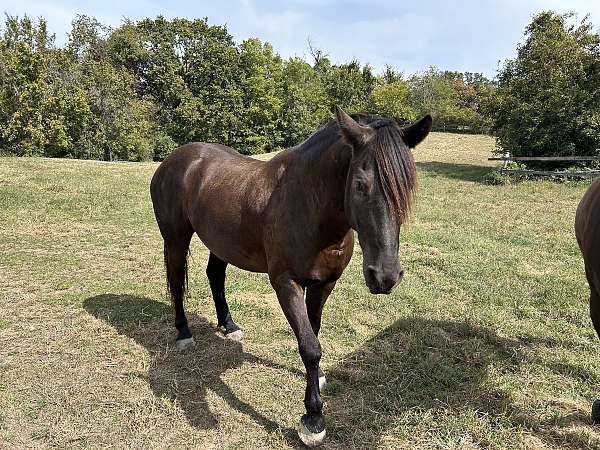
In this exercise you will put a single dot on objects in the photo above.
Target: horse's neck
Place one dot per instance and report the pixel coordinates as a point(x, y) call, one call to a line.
point(325, 173)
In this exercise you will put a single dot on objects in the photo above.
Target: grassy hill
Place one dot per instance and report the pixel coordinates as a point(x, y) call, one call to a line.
point(485, 344)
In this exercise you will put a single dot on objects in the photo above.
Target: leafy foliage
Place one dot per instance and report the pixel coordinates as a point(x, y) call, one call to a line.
point(138, 91)
point(454, 99)
point(305, 102)
point(393, 100)
point(548, 99)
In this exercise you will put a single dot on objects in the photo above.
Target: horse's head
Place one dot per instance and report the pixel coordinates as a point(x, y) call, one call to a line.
point(379, 189)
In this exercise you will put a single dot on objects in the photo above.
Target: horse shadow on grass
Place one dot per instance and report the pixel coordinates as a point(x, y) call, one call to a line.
point(434, 370)
point(462, 172)
point(416, 364)
point(187, 376)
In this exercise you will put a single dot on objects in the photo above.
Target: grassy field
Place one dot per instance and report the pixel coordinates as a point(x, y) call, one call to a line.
point(485, 344)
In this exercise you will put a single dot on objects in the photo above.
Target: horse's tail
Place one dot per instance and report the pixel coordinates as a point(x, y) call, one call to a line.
point(166, 189)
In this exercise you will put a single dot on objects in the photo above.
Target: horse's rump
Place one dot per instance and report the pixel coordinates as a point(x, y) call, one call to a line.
point(587, 231)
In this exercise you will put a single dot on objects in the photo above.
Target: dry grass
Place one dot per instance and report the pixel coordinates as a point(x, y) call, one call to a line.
point(486, 344)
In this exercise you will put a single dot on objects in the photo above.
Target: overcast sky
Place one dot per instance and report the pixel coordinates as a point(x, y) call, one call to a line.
point(472, 35)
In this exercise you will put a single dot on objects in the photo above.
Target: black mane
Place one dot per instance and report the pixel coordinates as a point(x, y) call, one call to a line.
point(394, 160)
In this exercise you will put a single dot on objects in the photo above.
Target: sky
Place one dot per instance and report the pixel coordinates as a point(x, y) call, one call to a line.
point(469, 35)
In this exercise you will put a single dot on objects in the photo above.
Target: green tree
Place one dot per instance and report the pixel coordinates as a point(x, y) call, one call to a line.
point(190, 70)
point(137, 91)
point(41, 112)
point(454, 99)
point(393, 99)
point(261, 73)
point(549, 96)
point(121, 126)
point(305, 102)
point(348, 85)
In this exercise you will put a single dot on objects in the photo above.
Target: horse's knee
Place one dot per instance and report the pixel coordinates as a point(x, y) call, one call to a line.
point(310, 352)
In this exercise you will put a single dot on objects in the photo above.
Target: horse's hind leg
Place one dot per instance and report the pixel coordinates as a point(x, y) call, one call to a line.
point(176, 252)
point(595, 315)
point(215, 270)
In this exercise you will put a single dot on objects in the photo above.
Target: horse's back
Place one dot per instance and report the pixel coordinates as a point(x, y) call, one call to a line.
point(587, 230)
point(170, 177)
point(170, 184)
point(184, 156)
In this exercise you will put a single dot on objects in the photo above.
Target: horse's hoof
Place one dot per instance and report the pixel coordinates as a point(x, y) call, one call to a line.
point(236, 335)
point(184, 344)
point(322, 382)
point(309, 438)
point(596, 411)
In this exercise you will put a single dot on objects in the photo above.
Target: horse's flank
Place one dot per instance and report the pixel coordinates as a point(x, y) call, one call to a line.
point(587, 230)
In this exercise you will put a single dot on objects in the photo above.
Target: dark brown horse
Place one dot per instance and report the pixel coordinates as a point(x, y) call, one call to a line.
point(587, 230)
point(291, 217)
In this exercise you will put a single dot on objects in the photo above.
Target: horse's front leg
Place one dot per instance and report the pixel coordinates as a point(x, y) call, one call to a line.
point(316, 296)
point(290, 294)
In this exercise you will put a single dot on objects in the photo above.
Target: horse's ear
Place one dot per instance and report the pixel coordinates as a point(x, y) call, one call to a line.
point(415, 133)
point(355, 133)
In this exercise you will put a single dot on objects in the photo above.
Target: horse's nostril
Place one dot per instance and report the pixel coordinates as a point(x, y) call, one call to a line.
point(372, 273)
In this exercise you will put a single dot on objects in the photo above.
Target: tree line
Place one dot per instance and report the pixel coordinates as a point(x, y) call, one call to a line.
point(138, 91)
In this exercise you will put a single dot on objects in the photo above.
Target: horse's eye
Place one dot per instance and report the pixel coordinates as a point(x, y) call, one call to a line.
point(361, 187)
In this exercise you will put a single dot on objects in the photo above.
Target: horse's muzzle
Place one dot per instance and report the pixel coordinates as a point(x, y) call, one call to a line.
point(382, 281)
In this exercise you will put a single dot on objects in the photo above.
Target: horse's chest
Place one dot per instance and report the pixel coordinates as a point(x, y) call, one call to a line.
point(331, 262)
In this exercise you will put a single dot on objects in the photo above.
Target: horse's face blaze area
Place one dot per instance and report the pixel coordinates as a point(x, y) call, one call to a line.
point(377, 227)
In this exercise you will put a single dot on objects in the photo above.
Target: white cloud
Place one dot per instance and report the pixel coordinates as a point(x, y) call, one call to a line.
point(385, 41)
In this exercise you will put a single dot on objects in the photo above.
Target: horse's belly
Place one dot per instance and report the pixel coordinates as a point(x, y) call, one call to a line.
point(230, 250)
